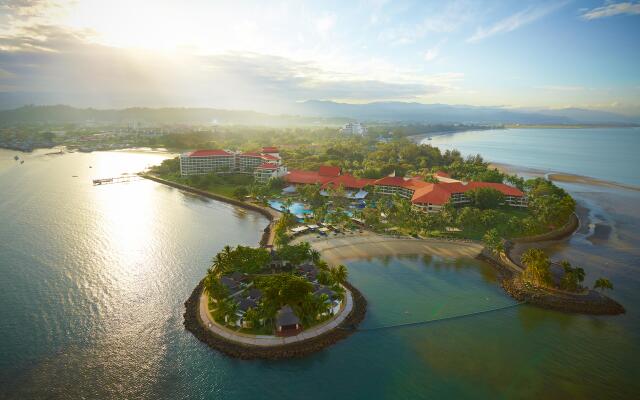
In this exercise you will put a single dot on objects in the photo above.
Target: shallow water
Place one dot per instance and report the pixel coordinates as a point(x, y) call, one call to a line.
point(93, 280)
point(604, 153)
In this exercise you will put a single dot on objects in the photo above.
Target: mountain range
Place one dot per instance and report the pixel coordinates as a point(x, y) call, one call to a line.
point(315, 112)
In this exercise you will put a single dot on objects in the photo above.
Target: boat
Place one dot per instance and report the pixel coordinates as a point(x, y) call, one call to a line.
point(429, 138)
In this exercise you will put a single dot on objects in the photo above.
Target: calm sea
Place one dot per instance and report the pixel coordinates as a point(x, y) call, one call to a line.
point(604, 153)
point(93, 280)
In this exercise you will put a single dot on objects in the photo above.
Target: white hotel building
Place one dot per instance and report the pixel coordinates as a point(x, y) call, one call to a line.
point(353, 128)
point(263, 165)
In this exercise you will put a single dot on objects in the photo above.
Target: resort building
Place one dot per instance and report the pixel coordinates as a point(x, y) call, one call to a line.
point(201, 162)
point(425, 196)
point(264, 165)
point(287, 322)
point(353, 128)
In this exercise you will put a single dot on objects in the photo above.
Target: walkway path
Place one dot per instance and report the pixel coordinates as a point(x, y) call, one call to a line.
point(266, 340)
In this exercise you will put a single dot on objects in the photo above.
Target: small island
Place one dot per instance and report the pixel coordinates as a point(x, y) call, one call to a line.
point(259, 303)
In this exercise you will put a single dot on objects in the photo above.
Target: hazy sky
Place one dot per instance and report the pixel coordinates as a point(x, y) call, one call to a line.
point(264, 55)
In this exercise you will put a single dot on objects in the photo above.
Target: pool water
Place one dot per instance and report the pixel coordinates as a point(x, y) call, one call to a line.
point(296, 208)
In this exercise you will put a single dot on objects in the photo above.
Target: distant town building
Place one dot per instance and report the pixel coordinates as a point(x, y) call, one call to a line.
point(353, 128)
point(264, 165)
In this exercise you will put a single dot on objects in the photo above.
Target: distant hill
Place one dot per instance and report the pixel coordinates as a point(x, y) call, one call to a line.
point(315, 112)
point(442, 113)
point(591, 116)
point(67, 114)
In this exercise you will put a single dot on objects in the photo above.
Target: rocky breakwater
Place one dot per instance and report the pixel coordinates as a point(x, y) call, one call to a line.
point(587, 302)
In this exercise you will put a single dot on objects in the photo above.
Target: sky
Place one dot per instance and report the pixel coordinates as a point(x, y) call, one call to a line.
point(266, 55)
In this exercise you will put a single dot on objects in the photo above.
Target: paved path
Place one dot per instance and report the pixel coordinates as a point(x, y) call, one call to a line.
point(266, 340)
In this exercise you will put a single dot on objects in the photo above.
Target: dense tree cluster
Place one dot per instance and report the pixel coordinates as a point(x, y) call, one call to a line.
point(243, 259)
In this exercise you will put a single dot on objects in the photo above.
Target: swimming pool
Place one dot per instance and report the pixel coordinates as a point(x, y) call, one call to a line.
point(296, 208)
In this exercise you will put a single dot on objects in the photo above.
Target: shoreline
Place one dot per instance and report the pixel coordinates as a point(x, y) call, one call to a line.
point(369, 245)
point(272, 215)
point(561, 176)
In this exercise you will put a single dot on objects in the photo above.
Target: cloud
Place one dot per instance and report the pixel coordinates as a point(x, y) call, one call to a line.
point(612, 9)
point(442, 20)
point(326, 23)
point(433, 53)
point(60, 65)
point(516, 21)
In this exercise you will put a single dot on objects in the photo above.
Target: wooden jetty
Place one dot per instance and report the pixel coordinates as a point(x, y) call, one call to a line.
point(117, 179)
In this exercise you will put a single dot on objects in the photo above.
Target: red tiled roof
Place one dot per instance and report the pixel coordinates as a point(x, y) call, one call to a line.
point(348, 181)
point(390, 181)
point(268, 166)
point(269, 149)
point(413, 183)
point(254, 154)
point(501, 187)
point(432, 193)
point(207, 153)
point(326, 170)
point(250, 154)
point(439, 193)
point(305, 177)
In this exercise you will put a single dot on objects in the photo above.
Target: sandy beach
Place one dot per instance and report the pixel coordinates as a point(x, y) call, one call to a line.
point(337, 249)
point(561, 177)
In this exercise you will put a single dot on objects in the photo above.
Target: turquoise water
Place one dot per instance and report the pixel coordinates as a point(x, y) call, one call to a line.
point(93, 280)
point(294, 208)
point(605, 153)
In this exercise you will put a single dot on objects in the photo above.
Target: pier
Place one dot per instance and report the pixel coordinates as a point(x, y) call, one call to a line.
point(118, 179)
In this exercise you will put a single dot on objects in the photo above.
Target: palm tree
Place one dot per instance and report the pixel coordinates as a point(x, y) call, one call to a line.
point(537, 267)
point(602, 284)
point(314, 255)
point(226, 311)
point(286, 204)
point(218, 266)
point(339, 273)
point(493, 241)
point(572, 276)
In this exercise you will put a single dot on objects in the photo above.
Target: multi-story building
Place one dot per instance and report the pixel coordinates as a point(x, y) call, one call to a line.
point(265, 171)
point(202, 162)
point(353, 128)
point(263, 165)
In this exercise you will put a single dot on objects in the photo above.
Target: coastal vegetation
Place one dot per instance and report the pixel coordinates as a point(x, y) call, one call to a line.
point(549, 205)
point(541, 272)
point(247, 287)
